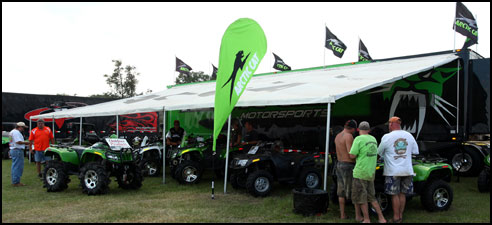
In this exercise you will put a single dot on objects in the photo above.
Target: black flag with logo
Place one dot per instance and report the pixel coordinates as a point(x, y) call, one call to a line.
point(363, 53)
point(182, 67)
point(214, 73)
point(334, 44)
point(279, 64)
point(466, 24)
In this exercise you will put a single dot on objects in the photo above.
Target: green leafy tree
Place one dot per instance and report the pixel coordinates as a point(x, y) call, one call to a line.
point(193, 77)
point(123, 81)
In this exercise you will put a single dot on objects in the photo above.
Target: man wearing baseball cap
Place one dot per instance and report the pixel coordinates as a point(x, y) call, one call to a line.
point(40, 137)
point(397, 148)
point(345, 165)
point(365, 150)
point(17, 146)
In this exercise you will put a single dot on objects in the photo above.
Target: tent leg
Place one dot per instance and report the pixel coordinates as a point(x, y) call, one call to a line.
point(227, 154)
point(327, 145)
point(80, 132)
point(29, 153)
point(53, 125)
point(117, 127)
point(163, 145)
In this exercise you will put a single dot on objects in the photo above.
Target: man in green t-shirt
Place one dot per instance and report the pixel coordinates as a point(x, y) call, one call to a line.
point(365, 150)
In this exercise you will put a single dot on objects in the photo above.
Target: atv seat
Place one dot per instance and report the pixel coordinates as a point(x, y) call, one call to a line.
point(79, 149)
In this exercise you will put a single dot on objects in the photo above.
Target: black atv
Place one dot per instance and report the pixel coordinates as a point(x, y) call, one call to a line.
point(265, 163)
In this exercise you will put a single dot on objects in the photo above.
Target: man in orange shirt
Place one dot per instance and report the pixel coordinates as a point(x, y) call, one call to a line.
point(40, 137)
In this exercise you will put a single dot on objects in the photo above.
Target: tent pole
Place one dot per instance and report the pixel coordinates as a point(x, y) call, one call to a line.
point(458, 100)
point(80, 132)
point(327, 146)
point(117, 127)
point(163, 145)
point(29, 135)
point(53, 125)
point(227, 153)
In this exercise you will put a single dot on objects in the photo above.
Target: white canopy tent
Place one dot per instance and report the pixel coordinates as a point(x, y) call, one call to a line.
point(310, 86)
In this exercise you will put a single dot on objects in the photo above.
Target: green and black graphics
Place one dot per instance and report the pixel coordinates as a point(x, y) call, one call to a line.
point(426, 102)
point(182, 67)
point(466, 25)
point(279, 64)
point(363, 53)
point(334, 44)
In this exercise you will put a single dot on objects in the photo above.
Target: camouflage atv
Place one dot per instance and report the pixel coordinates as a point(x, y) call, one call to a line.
point(93, 165)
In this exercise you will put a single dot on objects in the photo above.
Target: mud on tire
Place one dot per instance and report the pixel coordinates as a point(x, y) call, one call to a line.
point(94, 179)
point(55, 176)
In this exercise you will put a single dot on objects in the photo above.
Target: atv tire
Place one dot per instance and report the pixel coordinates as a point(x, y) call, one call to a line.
point(470, 160)
point(94, 179)
point(384, 201)
point(150, 167)
point(55, 176)
point(133, 178)
point(259, 183)
point(437, 196)
point(484, 181)
point(5, 152)
point(310, 178)
point(236, 181)
point(188, 172)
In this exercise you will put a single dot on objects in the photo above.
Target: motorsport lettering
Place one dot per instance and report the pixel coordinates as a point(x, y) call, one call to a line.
point(314, 113)
point(246, 75)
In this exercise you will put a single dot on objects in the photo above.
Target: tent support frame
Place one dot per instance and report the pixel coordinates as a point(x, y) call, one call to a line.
point(327, 144)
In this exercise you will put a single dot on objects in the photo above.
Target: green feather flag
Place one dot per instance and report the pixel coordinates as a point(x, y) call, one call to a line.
point(241, 51)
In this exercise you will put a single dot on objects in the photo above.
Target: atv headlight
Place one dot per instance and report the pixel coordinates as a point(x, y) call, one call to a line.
point(113, 157)
point(241, 162)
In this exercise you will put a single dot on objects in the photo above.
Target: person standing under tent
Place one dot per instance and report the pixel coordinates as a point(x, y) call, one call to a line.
point(236, 134)
point(365, 150)
point(175, 135)
point(397, 148)
point(345, 165)
point(40, 137)
point(17, 146)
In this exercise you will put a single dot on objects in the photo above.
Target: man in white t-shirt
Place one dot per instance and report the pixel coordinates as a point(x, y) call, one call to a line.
point(17, 146)
point(397, 148)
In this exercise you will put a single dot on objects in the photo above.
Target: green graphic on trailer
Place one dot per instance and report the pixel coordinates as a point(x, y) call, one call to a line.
point(241, 51)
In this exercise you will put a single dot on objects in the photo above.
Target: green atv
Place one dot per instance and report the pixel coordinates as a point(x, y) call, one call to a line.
point(5, 146)
point(188, 163)
point(484, 176)
point(431, 182)
point(93, 165)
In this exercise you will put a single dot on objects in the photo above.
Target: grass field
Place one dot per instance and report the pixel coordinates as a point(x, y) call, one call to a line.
point(171, 202)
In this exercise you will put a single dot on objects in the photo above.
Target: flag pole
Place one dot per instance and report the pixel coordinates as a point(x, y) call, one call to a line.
point(476, 45)
point(324, 49)
point(454, 22)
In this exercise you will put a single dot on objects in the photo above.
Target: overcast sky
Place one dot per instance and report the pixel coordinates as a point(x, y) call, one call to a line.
point(54, 48)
